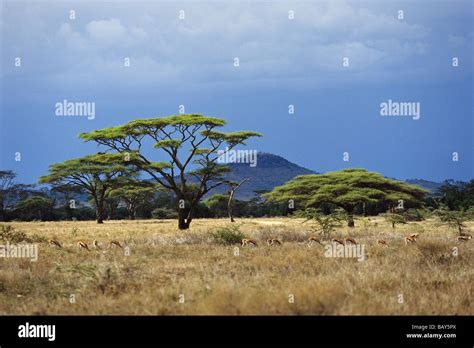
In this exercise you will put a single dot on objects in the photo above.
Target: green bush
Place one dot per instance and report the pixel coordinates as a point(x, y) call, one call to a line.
point(413, 214)
point(228, 235)
point(164, 213)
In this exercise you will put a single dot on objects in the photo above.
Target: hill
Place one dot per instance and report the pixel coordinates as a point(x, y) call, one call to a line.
point(271, 171)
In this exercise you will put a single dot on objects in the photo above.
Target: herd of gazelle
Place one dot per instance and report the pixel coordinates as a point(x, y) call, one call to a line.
point(408, 240)
point(83, 245)
point(270, 242)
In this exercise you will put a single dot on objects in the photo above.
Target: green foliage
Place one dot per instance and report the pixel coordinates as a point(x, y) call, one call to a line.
point(217, 204)
point(169, 134)
point(228, 235)
point(322, 224)
point(394, 219)
point(457, 195)
point(455, 218)
point(35, 208)
point(346, 189)
point(413, 214)
point(164, 213)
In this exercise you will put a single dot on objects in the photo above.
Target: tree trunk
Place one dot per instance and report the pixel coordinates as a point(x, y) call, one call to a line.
point(230, 205)
point(182, 223)
point(99, 210)
point(350, 218)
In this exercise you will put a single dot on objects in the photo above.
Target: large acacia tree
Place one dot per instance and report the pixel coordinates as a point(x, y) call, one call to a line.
point(191, 144)
point(97, 174)
point(346, 189)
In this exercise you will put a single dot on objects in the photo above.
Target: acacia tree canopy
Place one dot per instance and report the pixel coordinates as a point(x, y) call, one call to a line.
point(346, 189)
point(97, 174)
point(192, 146)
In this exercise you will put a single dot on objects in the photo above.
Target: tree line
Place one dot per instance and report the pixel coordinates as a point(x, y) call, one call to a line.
point(178, 185)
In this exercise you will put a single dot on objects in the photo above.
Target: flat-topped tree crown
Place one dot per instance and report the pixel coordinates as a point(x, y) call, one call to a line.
point(97, 174)
point(173, 135)
point(347, 188)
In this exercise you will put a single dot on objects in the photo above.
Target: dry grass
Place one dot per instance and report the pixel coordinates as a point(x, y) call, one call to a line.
point(165, 263)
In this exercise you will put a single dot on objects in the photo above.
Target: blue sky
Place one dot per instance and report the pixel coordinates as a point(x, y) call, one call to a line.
point(283, 61)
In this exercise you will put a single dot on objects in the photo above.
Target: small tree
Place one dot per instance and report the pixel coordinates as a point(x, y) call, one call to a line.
point(97, 174)
point(133, 193)
point(394, 219)
point(188, 140)
point(455, 218)
point(322, 224)
point(233, 186)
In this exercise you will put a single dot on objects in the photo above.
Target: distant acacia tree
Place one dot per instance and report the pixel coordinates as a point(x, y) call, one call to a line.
point(395, 219)
point(233, 186)
point(346, 189)
point(191, 143)
point(97, 174)
point(68, 192)
point(457, 195)
point(455, 218)
point(133, 193)
point(37, 207)
point(10, 192)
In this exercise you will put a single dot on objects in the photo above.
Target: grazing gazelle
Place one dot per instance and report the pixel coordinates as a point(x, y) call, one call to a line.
point(410, 239)
point(312, 240)
point(350, 241)
point(96, 244)
point(273, 241)
point(464, 238)
point(249, 242)
point(115, 243)
point(338, 241)
point(382, 243)
point(414, 235)
point(82, 245)
point(54, 243)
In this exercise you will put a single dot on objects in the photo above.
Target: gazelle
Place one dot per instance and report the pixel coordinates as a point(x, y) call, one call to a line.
point(382, 243)
point(54, 243)
point(273, 241)
point(414, 235)
point(312, 240)
point(409, 240)
point(96, 244)
point(350, 241)
point(338, 241)
point(464, 238)
point(82, 245)
point(114, 243)
point(249, 242)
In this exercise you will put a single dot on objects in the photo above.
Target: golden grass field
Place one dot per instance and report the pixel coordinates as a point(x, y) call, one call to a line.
point(167, 266)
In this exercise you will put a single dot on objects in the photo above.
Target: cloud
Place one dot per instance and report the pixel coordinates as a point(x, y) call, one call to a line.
point(201, 48)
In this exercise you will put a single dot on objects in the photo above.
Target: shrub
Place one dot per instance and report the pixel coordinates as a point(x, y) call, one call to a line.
point(413, 214)
point(9, 234)
point(228, 235)
point(164, 213)
point(394, 219)
point(322, 224)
